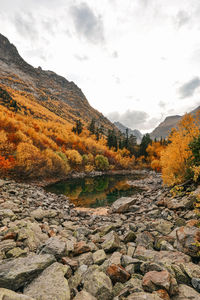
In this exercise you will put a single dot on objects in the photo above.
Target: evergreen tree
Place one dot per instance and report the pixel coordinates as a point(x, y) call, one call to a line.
point(78, 128)
point(146, 140)
point(92, 126)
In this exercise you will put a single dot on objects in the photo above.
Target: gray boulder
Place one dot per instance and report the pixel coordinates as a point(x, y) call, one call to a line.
point(122, 205)
point(16, 273)
point(10, 295)
point(50, 285)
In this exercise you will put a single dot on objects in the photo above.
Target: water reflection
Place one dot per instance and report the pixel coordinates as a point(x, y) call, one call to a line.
point(95, 192)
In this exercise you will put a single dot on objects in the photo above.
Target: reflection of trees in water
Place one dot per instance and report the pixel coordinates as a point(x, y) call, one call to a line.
point(94, 192)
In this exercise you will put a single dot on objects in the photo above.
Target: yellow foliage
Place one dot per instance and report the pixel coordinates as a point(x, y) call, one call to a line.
point(174, 157)
point(74, 157)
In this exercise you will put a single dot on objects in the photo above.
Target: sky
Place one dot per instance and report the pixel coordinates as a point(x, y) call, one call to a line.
point(136, 61)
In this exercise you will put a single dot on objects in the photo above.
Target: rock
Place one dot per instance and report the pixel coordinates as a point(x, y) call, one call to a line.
point(145, 239)
point(81, 247)
point(83, 295)
point(154, 280)
point(162, 294)
point(101, 286)
point(115, 258)
point(50, 285)
point(99, 256)
point(127, 260)
point(15, 273)
point(40, 214)
point(85, 259)
point(122, 205)
point(162, 226)
point(7, 213)
point(16, 252)
point(111, 242)
point(196, 284)
point(10, 295)
point(143, 296)
point(31, 235)
point(186, 293)
point(77, 279)
point(187, 237)
point(73, 263)
point(54, 246)
point(117, 273)
point(129, 237)
point(192, 270)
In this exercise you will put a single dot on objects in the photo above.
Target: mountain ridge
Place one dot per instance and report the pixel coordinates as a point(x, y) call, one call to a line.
point(51, 90)
point(134, 132)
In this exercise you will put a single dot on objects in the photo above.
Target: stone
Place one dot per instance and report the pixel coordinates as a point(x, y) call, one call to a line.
point(16, 273)
point(115, 258)
point(54, 246)
point(73, 263)
point(81, 247)
point(186, 293)
point(191, 269)
point(40, 214)
point(196, 284)
point(187, 237)
point(162, 294)
point(129, 237)
point(154, 280)
point(77, 279)
point(162, 226)
point(143, 296)
point(16, 252)
point(145, 239)
point(127, 260)
point(99, 257)
point(117, 274)
point(10, 295)
point(83, 295)
point(31, 235)
point(85, 259)
point(111, 242)
point(51, 284)
point(99, 285)
point(122, 205)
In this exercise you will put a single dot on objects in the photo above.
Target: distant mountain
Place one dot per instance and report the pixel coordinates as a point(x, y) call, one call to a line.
point(51, 91)
point(164, 128)
point(134, 132)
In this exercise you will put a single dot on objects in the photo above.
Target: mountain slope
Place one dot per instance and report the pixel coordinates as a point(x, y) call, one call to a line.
point(164, 128)
point(134, 132)
point(46, 88)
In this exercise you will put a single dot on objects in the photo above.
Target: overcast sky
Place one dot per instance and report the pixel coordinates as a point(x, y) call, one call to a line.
point(136, 61)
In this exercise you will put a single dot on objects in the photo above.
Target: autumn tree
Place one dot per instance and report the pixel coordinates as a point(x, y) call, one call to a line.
point(176, 156)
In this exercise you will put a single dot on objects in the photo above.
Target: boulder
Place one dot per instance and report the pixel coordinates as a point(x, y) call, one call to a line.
point(51, 284)
point(117, 274)
point(85, 259)
point(122, 205)
point(54, 246)
point(129, 237)
point(81, 247)
point(40, 214)
point(83, 295)
point(143, 296)
point(16, 273)
point(111, 242)
point(145, 239)
point(186, 293)
point(154, 280)
point(10, 295)
point(196, 284)
point(99, 257)
point(187, 237)
point(98, 284)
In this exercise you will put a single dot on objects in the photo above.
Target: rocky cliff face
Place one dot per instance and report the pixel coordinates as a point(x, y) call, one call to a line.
point(164, 128)
point(52, 91)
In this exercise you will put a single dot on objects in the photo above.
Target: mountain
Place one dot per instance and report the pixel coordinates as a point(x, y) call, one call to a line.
point(46, 88)
point(164, 128)
point(134, 132)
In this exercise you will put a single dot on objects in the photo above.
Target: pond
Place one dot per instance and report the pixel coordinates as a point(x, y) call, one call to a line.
point(97, 191)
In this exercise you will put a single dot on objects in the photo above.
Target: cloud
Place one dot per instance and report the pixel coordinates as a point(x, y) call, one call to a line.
point(134, 119)
point(188, 88)
point(25, 25)
point(182, 18)
point(87, 24)
point(162, 104)
point(81, 57)
point(115, 54)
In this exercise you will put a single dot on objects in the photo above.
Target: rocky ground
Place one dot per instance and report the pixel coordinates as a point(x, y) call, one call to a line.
point(143, 248)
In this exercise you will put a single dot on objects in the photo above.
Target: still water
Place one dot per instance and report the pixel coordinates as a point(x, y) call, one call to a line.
point(95, 192)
